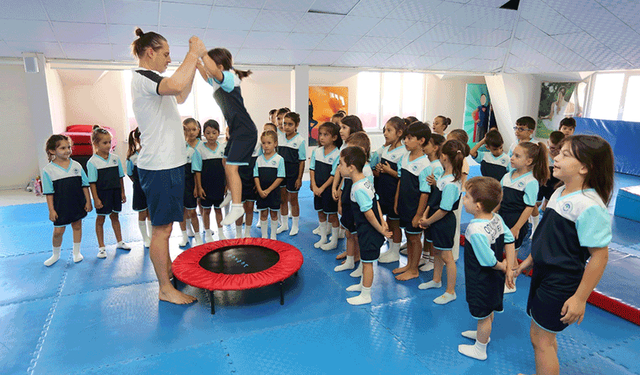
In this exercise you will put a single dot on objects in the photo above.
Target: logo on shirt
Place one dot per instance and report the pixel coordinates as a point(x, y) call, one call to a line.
point(330, 160)
point(114, 161)
point(520, 184)
point(295, 144)
point(567, 207)
point(76, 171)
point(273, 162)
point(414, 168)
point(503, 162)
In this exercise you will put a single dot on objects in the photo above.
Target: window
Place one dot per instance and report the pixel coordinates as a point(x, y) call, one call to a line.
point(607, 92)
point(199, 104)
point(381, 96)
point(368, 100)
point(631, 109)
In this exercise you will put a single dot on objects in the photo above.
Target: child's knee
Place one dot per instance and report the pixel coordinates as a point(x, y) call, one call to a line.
point(100, 219)
point(58, 231)
point(114, 217)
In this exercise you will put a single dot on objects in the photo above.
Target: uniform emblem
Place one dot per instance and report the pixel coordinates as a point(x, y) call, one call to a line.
point(414, 168)
point(503, 162)
point(567, 207)
point(273, 162)
point(330, 160)
point(114, 161)
point(76, 171)
point(521, 184)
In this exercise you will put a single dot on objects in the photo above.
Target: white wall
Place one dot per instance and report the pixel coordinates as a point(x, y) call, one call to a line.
point(265, 90)
point(102, 103)
point(19, 150)
point(446, 97)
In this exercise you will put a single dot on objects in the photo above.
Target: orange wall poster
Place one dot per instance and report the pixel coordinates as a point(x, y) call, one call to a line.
point(324, 101)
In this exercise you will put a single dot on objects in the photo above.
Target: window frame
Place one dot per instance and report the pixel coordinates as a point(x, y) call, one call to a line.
point(623, 94)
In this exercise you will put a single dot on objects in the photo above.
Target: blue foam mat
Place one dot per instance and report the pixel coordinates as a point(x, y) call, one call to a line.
point(103, 316)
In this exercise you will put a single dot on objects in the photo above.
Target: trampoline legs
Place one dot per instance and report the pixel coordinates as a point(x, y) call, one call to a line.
point(213, 306)
point(281, 293)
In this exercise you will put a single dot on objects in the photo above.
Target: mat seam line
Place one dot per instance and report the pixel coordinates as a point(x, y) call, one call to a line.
point(45, 329)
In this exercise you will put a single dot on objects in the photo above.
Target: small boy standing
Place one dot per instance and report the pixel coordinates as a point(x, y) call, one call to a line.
point(494, 163)
point(484, 264)
point(368, 220)
point(568, 126)
point(525, 126)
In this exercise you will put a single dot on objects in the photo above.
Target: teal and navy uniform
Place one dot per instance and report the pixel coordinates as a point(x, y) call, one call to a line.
point(445, 195)
point(139, 199)
point(387, 185)
point(491, 166)
point(363, 198)
point(347, 220)
point(324, 166)
point(249, 192)
point(483, 249)
point(243, 133)
point(209, 162)
point(190, 202)
point(413, 182)
point(267, 171)
point(517, 194)
point(66, 186)
point(571, 225)
point(106, 174)
point(293, 151)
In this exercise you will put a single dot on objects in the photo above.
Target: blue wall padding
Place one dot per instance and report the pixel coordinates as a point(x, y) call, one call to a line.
point(624, 137)
point(628, 203)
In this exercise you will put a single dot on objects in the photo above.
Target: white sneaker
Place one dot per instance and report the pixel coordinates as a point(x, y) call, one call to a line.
point(123, 245)
point(102, 253)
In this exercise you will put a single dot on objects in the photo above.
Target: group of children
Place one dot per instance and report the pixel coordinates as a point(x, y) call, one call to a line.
point(413, 183)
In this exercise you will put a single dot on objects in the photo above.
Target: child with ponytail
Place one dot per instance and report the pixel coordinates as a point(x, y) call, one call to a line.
point(441, 224)
point(520, 190)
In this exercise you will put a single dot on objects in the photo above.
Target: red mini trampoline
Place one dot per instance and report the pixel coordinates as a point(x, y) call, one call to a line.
point(237, 264)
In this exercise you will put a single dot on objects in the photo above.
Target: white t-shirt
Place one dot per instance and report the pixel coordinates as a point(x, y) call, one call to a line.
point(161, 134)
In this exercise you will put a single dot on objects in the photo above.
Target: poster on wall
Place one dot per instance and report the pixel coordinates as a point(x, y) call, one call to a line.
point(324, 101)
point(478, 113)
point(557, 101)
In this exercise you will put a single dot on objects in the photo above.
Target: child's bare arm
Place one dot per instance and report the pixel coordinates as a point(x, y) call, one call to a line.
point(573, 309)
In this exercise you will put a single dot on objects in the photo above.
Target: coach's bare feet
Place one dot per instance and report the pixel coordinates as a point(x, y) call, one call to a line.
point(172, 295)
point(400, 270)
point(408, 275)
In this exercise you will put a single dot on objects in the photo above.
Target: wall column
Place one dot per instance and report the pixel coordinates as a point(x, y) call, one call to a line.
point(300, 98)
point(38, 101)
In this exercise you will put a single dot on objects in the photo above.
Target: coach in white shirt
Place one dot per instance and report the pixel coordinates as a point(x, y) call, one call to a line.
point(163, 154)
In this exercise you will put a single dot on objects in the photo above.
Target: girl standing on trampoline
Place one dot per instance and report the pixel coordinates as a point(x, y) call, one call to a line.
point(576, 226)
point(218, 71)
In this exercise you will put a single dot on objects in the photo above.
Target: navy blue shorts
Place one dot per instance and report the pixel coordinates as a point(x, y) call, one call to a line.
point(164, 190)
point(443, 232)
point(271, 202)
point(370, 241)
point(190, 201)
point(139, 199)
point(325, 202)
point(111, 201)
point(208, 203)
point(408, 228)
point(550, 289)
point(239, 149)
point(388, 211)
point(292, 171)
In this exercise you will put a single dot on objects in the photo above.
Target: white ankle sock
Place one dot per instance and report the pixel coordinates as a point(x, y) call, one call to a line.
point(362, 299)
point(473, 335)
point(77, 257)
point(54, 256)
point(355, 287)
point(477, 351)
point(341, 233)
point(294, 225)
point(190, 232)
point(102, 253)
point(323, 235)
point(247, 231)
point(445, 298)
point(392, 255)
point(185, 239)
point(430, 285)
point(238, 231)
point(335, 234)
point(284, 226)
point(143, 230)
point(149, 228)
point(208, 235)
point(358, 271)
point(264, 229)
point(237, 210)
point(347, 265)
point(221, 233)
point(274, 229)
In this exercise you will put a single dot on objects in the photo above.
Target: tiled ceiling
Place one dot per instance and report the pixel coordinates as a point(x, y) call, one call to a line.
point(450, 35)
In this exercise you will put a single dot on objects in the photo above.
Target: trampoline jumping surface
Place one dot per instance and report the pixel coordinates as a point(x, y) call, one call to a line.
point(103, 315)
